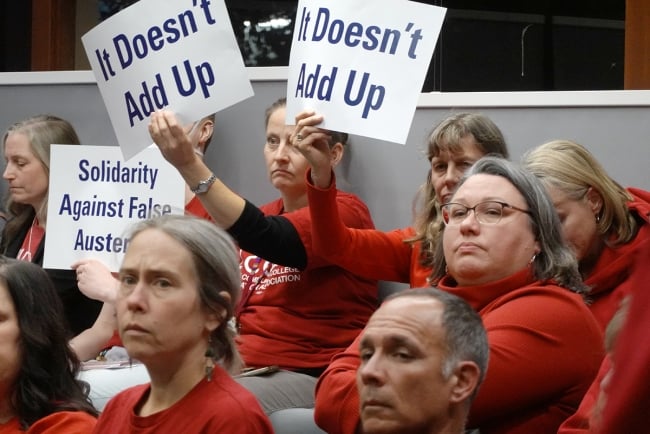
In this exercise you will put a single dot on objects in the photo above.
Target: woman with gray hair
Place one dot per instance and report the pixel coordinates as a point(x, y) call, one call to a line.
point(502, 251)
point(179, 283)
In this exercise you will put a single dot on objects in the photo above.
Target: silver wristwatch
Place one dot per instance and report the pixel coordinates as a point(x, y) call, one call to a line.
point(204, 185)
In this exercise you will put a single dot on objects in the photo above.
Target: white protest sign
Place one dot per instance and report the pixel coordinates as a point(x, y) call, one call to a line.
point(361, 63)
point(180, 54)
point(95, 196)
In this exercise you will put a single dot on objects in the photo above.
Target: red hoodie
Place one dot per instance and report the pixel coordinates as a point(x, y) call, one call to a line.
point(618, 272)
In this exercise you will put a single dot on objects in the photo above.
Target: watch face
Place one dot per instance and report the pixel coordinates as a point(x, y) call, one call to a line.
point(204, 185)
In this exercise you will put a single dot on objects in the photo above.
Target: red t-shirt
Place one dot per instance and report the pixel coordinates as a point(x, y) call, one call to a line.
point(217, 406)
point(300, 319)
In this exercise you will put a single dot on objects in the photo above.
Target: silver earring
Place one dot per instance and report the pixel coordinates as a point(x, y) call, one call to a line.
point(532, 259)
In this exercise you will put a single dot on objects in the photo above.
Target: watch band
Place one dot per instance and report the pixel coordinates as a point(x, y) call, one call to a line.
point(204, 185)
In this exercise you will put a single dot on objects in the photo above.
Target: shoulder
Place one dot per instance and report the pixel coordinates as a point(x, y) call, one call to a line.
point(272, 208)
point(69, 422)
point(542, 305)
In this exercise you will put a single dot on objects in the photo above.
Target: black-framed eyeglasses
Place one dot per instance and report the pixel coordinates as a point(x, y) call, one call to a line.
point(488, 212)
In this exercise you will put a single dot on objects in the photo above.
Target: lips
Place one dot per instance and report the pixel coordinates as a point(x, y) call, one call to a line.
point(136, 328)
point(281, 172)
point(373, 403)
point(468, 247)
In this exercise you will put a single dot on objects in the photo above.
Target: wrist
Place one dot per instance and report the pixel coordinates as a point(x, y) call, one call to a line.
point(321, 180)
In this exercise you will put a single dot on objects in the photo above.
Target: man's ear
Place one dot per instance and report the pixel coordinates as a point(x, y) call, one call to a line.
point(336, 153)
point(467, 376)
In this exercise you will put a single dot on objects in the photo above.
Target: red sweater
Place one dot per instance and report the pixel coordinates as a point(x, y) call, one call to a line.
point(217, 406)
point(61, 422)
point(299, 320)
point(545, 349)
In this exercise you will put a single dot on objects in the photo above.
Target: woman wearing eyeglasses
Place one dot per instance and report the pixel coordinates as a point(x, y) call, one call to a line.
point(501, 250)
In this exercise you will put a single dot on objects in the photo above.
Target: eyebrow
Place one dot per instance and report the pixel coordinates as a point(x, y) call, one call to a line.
point(484, 199)
point(394, 340)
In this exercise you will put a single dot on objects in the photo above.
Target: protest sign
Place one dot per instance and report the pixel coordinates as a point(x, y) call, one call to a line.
point(180, 54)
point(361, 63)
point(95, 196)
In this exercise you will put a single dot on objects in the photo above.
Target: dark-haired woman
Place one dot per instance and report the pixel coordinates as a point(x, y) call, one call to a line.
point(39, 392)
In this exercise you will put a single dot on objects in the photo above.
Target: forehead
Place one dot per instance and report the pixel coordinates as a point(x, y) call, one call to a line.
point(559, 197)
point(153, 247)
point(417, 318)
point(6, 303)
point(488, 187)
point(17, 142)
point(276, 119)
point(463, 147)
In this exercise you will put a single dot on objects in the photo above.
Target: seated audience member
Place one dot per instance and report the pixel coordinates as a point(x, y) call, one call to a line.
point(406, 255)
point(39, 392)
point(628, 389)
point(606, 225)
point(97, 282)
point(502, 251)
point(26, 147)
point(179, 282)
point(424, 354)
point(297, 309)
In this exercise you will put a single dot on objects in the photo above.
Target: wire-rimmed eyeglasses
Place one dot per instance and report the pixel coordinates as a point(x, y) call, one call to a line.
point(488, 212)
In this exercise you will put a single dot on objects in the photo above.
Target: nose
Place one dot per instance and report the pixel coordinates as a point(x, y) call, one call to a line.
point(452, 176)
point(8, 172)
point(136, 299)
point(372, 372)
point(282, 152)
point(470, 223)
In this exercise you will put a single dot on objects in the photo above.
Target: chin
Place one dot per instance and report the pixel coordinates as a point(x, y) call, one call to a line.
point(379, 426)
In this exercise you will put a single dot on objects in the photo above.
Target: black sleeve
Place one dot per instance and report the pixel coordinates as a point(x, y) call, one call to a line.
point(273, 238)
